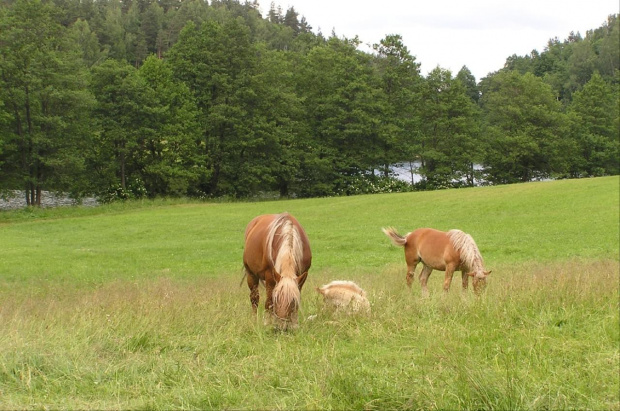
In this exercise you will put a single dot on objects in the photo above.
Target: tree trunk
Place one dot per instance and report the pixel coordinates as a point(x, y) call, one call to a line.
point(283, 186)
point(27, 192)
point(37, 196)
point(411, 172)
point(123, 178)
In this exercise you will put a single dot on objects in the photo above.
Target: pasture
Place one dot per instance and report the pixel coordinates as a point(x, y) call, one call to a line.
point(139, 306)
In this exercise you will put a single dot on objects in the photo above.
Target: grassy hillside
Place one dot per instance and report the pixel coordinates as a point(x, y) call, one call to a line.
point(537, 222)
point(139, 306)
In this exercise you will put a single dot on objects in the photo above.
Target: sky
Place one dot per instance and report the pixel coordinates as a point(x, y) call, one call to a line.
point(479, 34)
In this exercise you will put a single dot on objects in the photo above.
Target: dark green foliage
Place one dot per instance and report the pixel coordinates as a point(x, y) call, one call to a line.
point(148, 130)
point(568, 65)
point(400, 83)
point(44, 118)
point(525, 129)
point(594, 125)
point(204, 99)
point(344, 107)
point(447, 145)
point(469, 81)
point(218, 62)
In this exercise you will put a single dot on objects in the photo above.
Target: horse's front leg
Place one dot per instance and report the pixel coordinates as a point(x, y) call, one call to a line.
point(448, 278)
point(268, 319)
point(253, 282)
point(269, 300)
point(465, 279)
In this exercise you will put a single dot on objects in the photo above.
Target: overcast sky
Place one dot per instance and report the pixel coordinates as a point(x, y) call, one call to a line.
point(480, 34)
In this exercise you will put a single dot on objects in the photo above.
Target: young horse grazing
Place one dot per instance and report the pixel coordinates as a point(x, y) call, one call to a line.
point(345, 296)
point(277, 251)
point(438, 250)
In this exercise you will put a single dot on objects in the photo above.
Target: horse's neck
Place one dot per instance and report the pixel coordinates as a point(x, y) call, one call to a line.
point(467, 248)
point(476, 265)
point(286, 265)
point(290, 252)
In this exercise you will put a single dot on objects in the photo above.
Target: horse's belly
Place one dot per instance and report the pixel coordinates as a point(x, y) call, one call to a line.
point(441, 266)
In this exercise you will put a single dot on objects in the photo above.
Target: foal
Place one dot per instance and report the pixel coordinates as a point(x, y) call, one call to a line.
point(345, 296)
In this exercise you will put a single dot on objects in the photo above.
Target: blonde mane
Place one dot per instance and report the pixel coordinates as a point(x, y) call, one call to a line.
point(467, 248)
point(288, 259)
point(347, 285)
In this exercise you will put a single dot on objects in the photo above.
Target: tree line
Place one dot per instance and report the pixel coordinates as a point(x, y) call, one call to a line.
point(206, 99)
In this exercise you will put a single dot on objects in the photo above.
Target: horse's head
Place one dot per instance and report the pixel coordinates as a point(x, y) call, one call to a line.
point(287, 299)
point(479, 280)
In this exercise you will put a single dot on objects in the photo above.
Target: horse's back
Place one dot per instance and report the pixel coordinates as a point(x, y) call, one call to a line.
point(430, 237)
point(433, 247)
point(343, 287)
point(254, 257)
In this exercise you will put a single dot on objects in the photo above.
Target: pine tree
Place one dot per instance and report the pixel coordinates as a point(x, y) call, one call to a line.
point(399, 77)
point(45, 102)
point(594, 117)
point(449, 131)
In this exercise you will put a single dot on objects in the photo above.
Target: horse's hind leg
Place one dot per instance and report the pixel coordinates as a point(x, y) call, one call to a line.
point(253, 282)
point(424, 274)
point(411, 266)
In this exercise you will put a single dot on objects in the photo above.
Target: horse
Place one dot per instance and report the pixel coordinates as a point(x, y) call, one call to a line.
point(277, 253)
point(444, 251)
point(345, 296)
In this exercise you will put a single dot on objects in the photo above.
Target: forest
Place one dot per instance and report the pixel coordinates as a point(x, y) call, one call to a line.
point(211, 99)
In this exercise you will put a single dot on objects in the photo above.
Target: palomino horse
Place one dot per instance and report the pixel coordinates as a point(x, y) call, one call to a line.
point(277, 252)
point(345, 296)
point(438, 250)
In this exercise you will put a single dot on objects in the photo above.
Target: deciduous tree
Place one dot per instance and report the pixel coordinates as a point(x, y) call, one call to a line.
point(525, 129)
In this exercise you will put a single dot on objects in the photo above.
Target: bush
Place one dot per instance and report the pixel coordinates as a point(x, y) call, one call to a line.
point(135, 190)
point(374, 185)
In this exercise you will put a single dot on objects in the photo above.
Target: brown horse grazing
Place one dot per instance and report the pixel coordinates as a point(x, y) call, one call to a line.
point(438, 250)
point(277, 251)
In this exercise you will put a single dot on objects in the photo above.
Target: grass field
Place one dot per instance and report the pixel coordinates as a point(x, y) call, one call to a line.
point(139, 306)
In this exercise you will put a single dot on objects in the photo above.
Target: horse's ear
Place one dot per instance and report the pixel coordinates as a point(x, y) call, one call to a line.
point(302, 279)
point(487, 273)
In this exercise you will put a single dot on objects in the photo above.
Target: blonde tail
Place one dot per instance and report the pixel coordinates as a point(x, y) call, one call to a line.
point(396, 238)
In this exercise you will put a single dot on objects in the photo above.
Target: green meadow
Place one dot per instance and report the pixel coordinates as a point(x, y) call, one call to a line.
point(139, 305)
